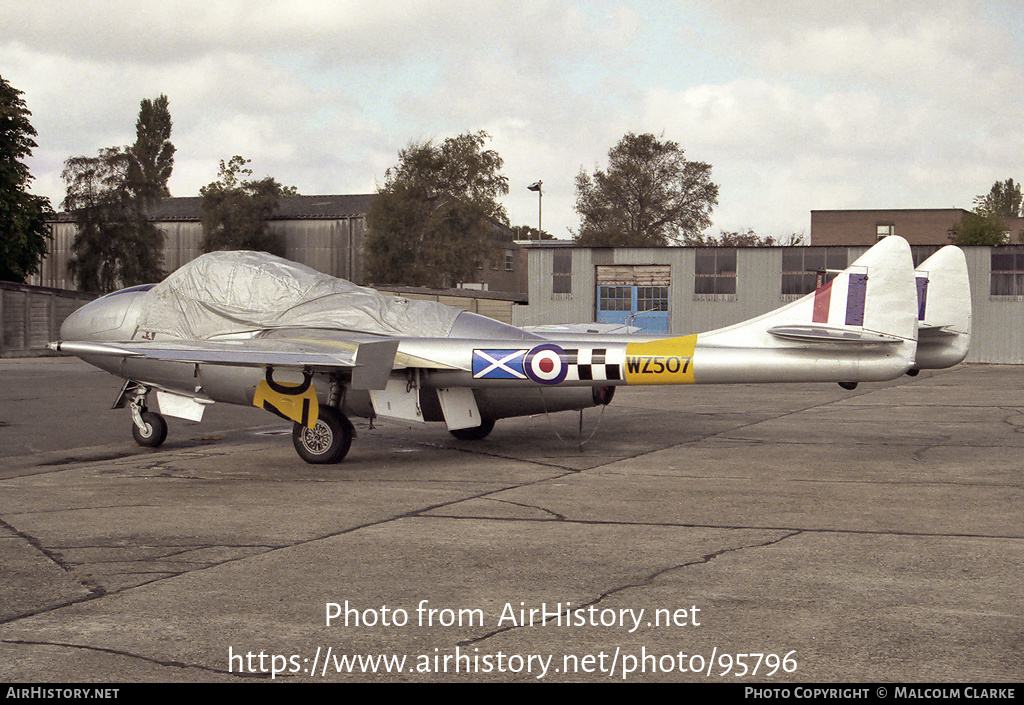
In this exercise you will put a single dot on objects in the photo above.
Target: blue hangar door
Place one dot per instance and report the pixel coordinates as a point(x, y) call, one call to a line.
point(634, 295)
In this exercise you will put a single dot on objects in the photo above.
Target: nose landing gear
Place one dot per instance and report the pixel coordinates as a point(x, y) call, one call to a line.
point(148, 427)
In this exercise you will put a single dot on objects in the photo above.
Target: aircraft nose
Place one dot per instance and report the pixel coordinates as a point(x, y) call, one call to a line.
point(106, 318)
point(73, 327)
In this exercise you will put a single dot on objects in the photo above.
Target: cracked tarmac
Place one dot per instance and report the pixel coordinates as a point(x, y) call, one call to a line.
point(868, 536)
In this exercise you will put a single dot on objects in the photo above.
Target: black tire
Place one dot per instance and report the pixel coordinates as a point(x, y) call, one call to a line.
point(328, 441)
point(155, 432)
point(476, 433)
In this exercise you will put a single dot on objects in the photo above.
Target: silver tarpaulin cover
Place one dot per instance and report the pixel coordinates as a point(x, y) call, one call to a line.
point(227, 292)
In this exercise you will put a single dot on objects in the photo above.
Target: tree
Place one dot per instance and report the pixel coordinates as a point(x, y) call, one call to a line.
point(152, 155)
point(235, 212)
point(110, 196)
point(24, 228)
point(1003, 200)
point(528, 232)
point(979, 229)
point(736, 239)
point(651, 195)
point(435, 218)
point(108, 251)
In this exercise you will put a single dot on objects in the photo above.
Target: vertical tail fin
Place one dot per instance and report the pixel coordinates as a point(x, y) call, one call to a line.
point(944, 309)
point(861, 326)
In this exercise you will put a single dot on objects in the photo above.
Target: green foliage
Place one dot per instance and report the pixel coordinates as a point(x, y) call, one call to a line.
point(650, 196)
point(436, 217)
point(1003, 200)
point(527, 232)
point(116, 245)
point(740, 239)
point(24, 228)
point(979, 229)
point(152, 155)
point(109, 196)
point(235, 212)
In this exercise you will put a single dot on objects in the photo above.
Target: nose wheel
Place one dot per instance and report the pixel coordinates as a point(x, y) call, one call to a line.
point(148, 427)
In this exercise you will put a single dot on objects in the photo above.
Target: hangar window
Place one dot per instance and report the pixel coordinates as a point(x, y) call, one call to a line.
point(1007, 271)
point(652, 298)
point(800, 267)
point(885, 230)
point(616, 298)
point(561, 278)
point(715, 272)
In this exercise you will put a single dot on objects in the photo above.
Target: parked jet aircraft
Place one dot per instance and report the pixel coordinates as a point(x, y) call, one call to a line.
point(250, 328)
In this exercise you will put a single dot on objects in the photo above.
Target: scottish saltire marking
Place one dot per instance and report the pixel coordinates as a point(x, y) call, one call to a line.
point(922, 296)
point(498, 364)
point(856, 295)
point(667, 361)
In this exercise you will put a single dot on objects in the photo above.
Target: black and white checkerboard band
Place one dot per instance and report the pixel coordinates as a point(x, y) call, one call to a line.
point(598, 364)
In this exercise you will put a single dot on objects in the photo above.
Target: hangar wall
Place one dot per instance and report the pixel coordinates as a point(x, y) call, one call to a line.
point(327, 245)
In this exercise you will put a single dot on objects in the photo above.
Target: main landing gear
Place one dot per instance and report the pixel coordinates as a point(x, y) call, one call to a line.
point(328, 441)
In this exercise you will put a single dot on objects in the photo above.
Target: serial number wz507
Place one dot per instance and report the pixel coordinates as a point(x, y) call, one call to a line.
point(657, 364)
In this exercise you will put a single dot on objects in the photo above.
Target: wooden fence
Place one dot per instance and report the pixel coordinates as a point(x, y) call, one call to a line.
point(31, 317)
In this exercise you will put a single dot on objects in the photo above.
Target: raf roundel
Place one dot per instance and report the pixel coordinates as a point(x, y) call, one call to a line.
point(546, 364)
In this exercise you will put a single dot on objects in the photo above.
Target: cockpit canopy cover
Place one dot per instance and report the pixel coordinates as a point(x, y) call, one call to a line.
point(231, 292)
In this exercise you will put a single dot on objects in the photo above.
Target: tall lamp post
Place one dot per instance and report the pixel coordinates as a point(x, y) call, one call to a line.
point(540, 197)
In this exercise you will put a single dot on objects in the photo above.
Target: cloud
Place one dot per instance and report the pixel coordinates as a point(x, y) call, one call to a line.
point(796, 105)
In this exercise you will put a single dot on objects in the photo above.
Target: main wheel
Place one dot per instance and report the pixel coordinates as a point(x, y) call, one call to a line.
point(476, 433)
point(155, 431)
point(328, 441)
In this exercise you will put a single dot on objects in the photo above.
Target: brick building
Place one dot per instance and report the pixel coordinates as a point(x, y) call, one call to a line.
point(919, 226)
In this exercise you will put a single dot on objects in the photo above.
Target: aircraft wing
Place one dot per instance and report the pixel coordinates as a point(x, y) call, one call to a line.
point(338, 341)
point(371, 361)
point(236, 352)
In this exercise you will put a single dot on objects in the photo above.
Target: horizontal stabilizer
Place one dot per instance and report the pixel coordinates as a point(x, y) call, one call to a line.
point(826, 334)
point(929, 331)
